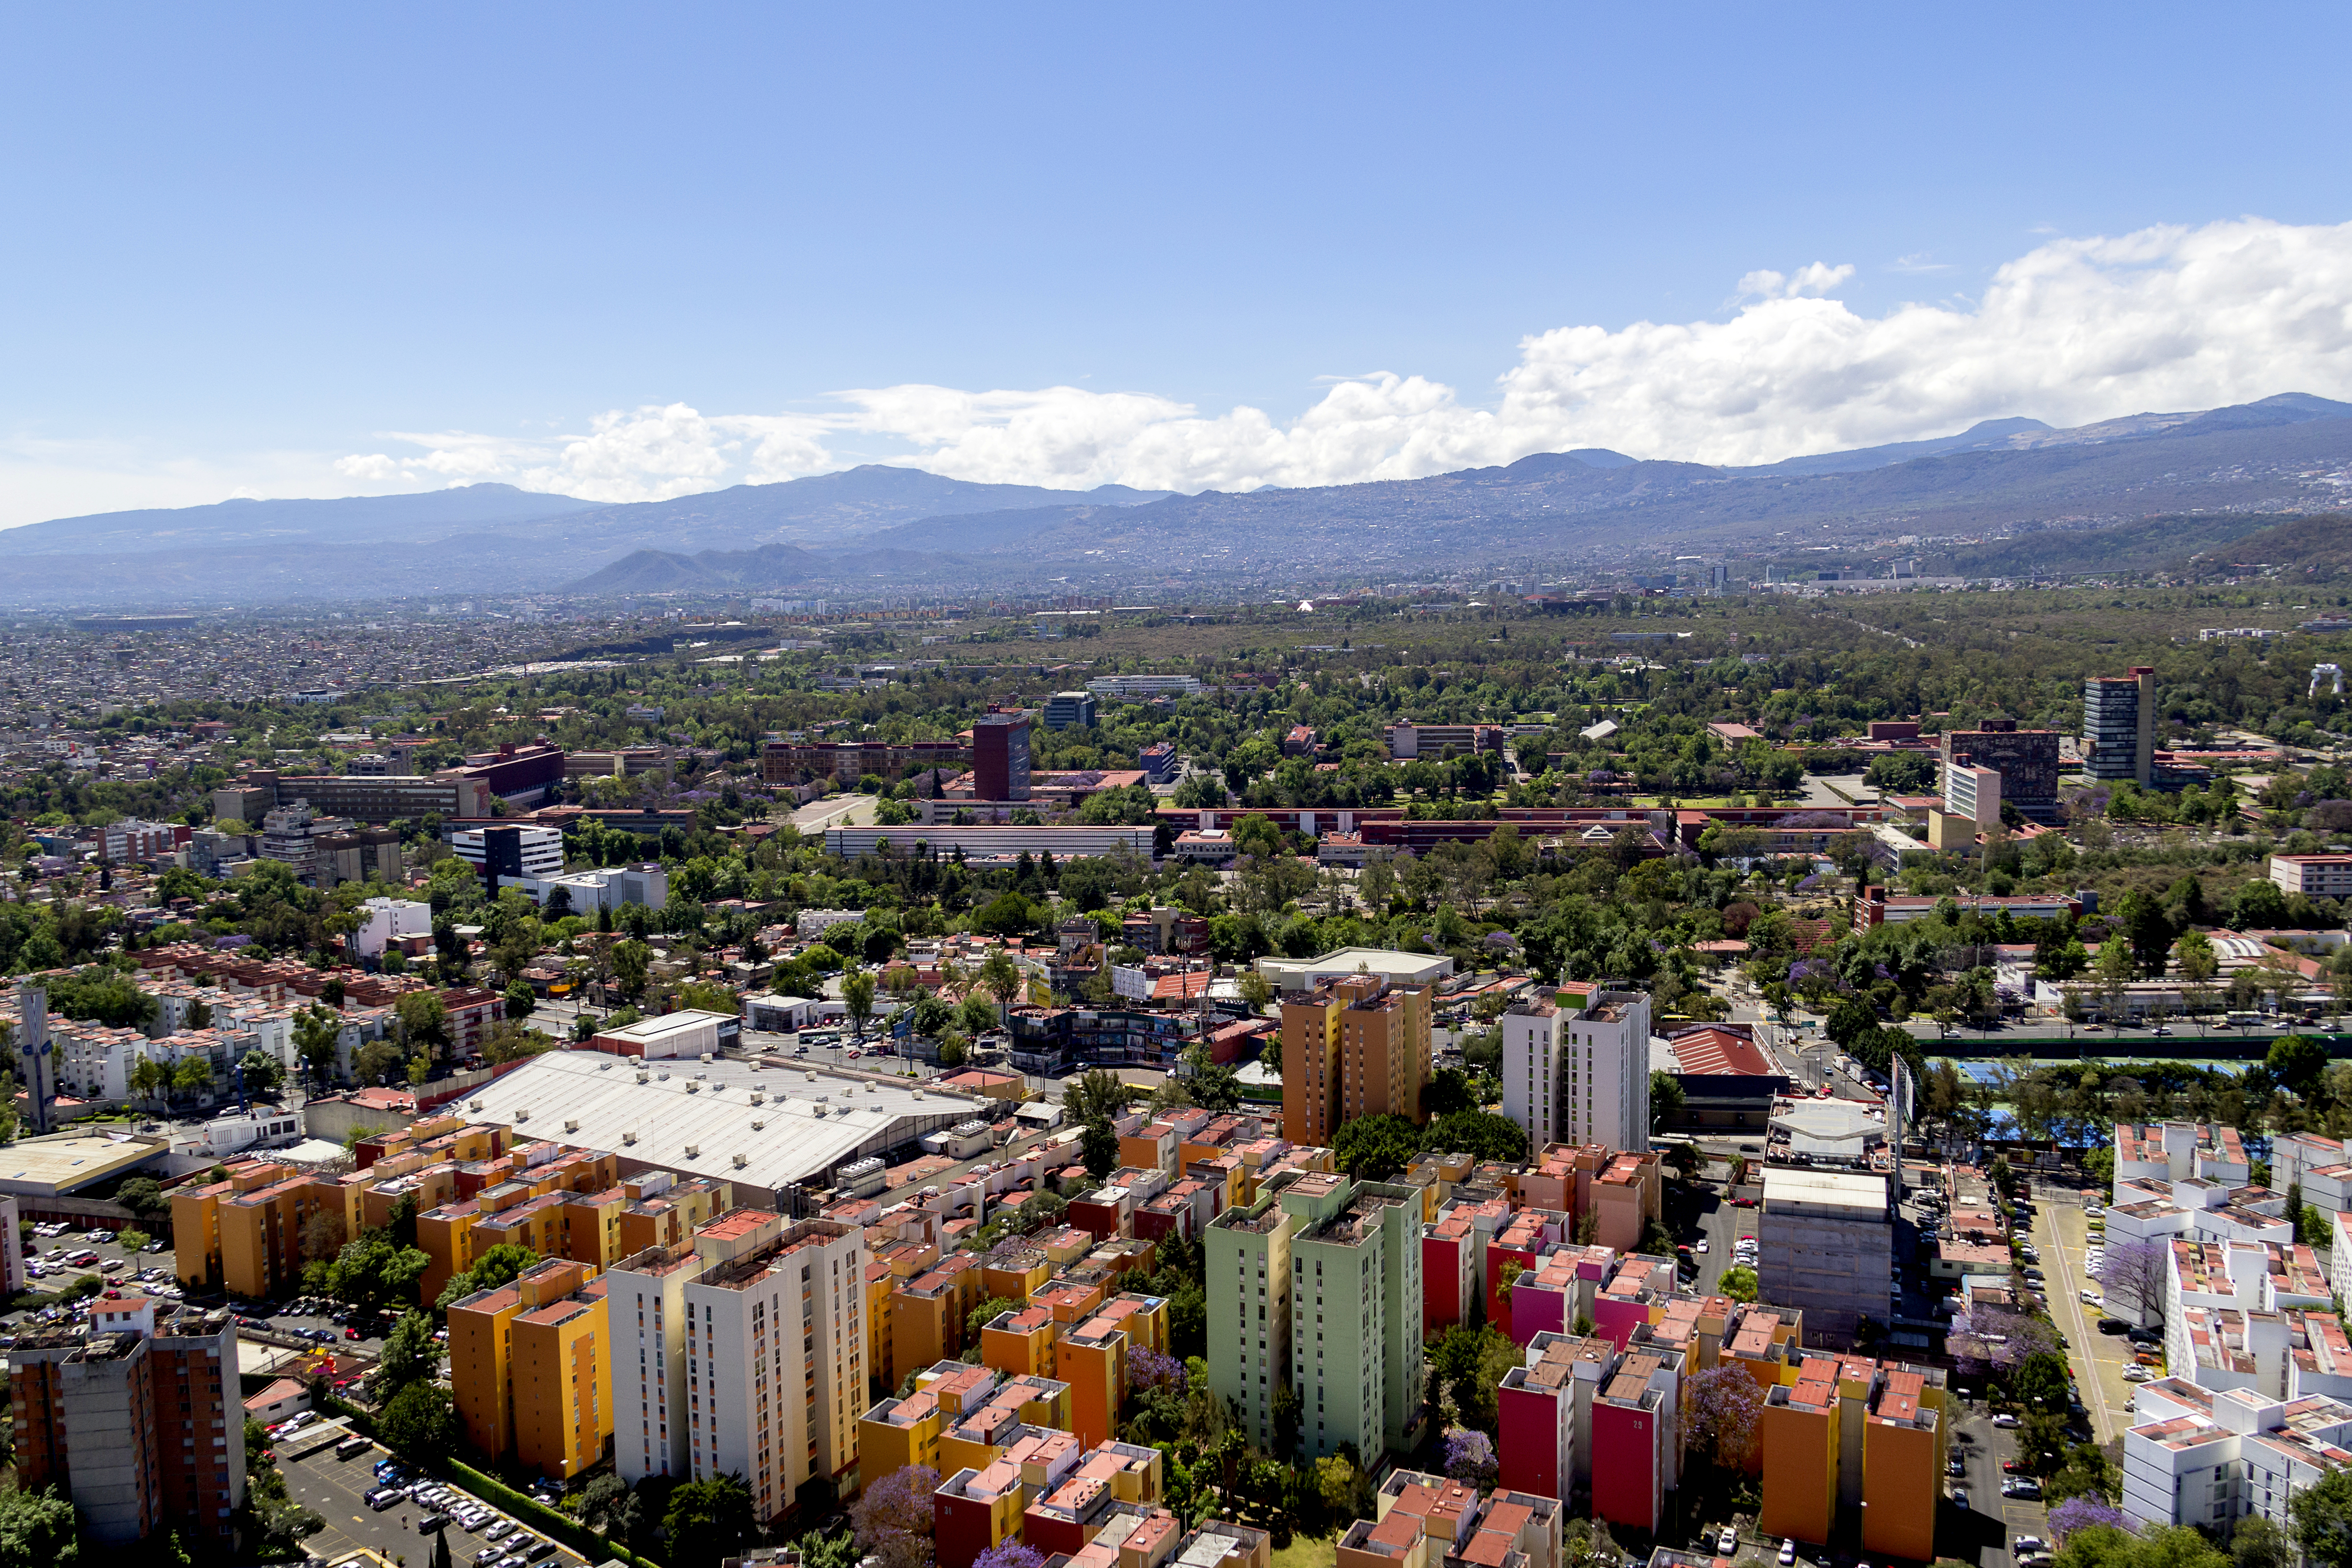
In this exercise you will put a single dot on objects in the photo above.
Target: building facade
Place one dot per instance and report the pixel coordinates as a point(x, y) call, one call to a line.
point(2119, 726)
point(1576, 1068)
point(1357, 1045)
point(2026, 760)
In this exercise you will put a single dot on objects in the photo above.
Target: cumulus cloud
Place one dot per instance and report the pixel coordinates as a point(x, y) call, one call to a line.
point(2074, 330)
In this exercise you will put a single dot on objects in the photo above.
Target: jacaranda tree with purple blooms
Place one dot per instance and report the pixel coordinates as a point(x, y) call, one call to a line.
point(1722, 1416)
point(1149, 1370)
point(2081, 1513)
point(1470, 1458)
point(1010, 1555)
point(892, 1517)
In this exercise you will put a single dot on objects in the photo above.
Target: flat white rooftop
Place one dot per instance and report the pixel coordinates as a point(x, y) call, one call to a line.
point(1828, 1193)
point(808, 1122)
point(1397, 968)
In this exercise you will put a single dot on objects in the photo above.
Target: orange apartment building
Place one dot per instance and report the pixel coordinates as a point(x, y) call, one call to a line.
point(1814, 1467)
point(1354, 1047)
point(531, 1368)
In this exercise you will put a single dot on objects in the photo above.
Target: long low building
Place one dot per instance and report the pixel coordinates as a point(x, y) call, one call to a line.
point(765, 1130)
point(990, 843)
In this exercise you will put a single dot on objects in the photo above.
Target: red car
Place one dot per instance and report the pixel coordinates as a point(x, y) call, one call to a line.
point(351, 1333)
point(2011, 1465)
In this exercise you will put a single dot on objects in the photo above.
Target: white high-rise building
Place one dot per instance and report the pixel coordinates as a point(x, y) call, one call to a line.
point(1576, 1068)
point(644, 1306)
point(750, 1351)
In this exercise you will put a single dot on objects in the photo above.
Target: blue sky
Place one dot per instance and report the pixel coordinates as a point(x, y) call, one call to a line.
point(640, 250)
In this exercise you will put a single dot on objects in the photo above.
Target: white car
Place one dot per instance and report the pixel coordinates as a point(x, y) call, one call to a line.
point(2137, 1374)
point(1728, 1543)
point(2004, 1421)
point(1788, 1551)
point(1701, 1248)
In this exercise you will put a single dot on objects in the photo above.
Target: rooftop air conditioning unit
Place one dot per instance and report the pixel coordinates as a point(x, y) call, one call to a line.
point(628, 1137)
point(918, 1094)
point(741, 1160)
point(665, 1075)
point(693, 1088)
point(693, 1151)
point(759, 1097)
point(819, 1111)
point(758, 1124)
point(605, 1066)
point(572, 1126)
point(523, 1115)
point(644, 1078)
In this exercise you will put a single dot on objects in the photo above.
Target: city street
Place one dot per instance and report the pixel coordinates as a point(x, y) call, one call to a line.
point(337, 1489)
point(2062, 1234)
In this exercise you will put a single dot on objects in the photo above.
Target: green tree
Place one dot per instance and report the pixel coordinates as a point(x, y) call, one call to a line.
point(857, 997)
point(630, 961)
point(420, 1424)
point(2297, 1061)
point(260, 1072)
point(2321, 1514)
point(372, 1271)
point(410, 1354)
point(1374, 1148)
point(1000, 977)
point(1739, 1283)
point(1666, 1099)
point(521, 1001)
point(194, 1075)
point(709, 1520)
point(36, 1530)
point(424, 1020)
point(317, 1032)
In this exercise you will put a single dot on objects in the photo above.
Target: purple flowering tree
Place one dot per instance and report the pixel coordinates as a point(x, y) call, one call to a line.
point(1149, 1370)
point(2081, 1513)
point(1010, 1555)
point(1723, 1411)
point(1989, 1339)
point(1470, 1458)
point(892, 1517)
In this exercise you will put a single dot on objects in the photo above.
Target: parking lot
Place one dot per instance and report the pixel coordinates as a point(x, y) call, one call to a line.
point(337, 1489)
point(48, 1270)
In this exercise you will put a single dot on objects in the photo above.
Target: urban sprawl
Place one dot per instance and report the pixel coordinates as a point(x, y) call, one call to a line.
point(1796, 1078)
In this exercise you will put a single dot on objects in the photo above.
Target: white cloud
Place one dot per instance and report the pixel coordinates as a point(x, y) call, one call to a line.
point(2076, 330)
point(2073, 330)
point(1813, 280)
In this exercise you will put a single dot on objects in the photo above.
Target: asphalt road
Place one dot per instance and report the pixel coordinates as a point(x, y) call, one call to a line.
point(337, 1489)
point(2062, 1234)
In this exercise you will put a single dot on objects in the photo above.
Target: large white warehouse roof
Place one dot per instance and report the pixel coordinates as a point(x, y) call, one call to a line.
point(697, 1117)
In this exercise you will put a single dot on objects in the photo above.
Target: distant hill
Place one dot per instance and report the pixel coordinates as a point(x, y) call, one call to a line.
point(2081, 499)
point(663, 571)
point(347, 521)
point(2319, 547)
point(1987, 436)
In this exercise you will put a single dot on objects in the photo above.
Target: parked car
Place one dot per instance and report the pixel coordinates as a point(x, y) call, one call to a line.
point(430, 1522)
point(1728, 1543)
point(2005, 1421)
point(1960, 1498)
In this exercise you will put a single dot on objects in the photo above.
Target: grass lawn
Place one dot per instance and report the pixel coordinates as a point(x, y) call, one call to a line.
point(1307, 1552)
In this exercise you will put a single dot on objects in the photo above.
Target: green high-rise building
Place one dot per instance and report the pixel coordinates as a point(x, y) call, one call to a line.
point(1321, 1276)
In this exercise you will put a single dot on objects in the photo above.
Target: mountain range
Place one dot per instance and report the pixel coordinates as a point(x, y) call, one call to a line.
point(877, 526)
